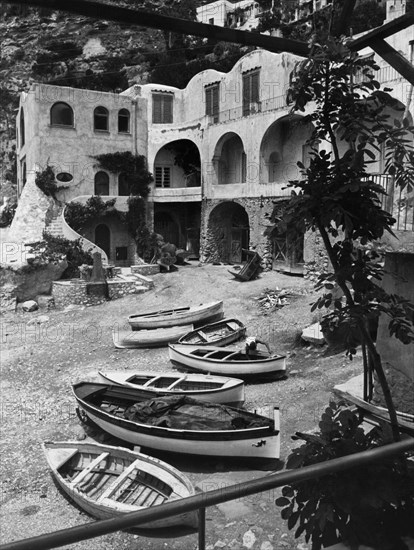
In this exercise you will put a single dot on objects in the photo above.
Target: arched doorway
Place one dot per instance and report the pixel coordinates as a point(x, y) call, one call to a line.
point(165, 225)
point(103, 238)
point(228, 233)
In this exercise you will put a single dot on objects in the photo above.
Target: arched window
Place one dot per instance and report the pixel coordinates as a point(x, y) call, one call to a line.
point(123, 185)
point(101, 119)
point(101, 183)
point(123, 121)
point(22, 129)
point(61, 114)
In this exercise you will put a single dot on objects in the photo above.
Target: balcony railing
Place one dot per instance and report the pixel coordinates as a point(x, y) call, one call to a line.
point(398, 202)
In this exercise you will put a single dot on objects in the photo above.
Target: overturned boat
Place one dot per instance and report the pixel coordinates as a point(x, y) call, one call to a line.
point(179, 424)
point(153, 338)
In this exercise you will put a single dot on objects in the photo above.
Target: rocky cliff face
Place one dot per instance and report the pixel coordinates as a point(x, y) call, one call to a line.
point(56, 47)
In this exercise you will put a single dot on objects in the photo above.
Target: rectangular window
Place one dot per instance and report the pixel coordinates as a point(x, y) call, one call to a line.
point(212, 102)
point(251, 100)
point(162, 176)
point(162, 108)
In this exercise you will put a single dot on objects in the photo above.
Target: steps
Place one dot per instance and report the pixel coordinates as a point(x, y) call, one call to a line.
point(55, 226)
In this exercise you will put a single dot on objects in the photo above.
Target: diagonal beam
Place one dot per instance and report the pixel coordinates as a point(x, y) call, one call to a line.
point(394, 58)
point(344, 19)
point(141, 18)
point(382, 32)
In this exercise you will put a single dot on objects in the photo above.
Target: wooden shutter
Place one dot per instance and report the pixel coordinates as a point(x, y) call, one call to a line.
point(156, 108)
point(246, 94)
point(254, 87)
point(168, 109)
point(209, 102)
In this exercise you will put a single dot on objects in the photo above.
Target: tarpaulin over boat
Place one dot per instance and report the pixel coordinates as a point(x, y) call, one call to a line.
point(181, 412)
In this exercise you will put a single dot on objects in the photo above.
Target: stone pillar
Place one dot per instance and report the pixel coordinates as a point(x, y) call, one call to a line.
point(397, 358)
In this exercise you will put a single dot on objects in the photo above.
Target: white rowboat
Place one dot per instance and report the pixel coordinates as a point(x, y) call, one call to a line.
point(196, 315)
point(108, 481)
point(226, 361)
point(215, 389)
point(222, 333)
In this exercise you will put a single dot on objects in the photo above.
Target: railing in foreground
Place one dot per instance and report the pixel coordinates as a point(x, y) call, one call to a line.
point(202, 501)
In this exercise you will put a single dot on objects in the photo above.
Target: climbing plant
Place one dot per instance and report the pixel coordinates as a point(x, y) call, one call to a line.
point(46, 182)
point(78, 215)
point(133, 166)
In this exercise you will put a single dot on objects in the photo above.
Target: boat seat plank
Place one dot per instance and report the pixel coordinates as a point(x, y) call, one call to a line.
point(202, 335)
point(88, 469)
point(178, 381)
point(143, 496)
point(59, 457)
point(151, 381)
point(210, 353)
point(120, 479)
point(230, 355)
point(230, 327)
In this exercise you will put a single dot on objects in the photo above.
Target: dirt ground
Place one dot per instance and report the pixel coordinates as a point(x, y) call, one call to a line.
point(40, 361)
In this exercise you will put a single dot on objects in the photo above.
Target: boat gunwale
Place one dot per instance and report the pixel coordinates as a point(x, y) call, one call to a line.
point(180, 311)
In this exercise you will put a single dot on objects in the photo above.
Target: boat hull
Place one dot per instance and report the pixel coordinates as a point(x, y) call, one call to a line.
point(231, 391)
point(221, 333)
point(152, 338)
point(256, 442)
point(196, 315)
point(261, 366)
point(107, 508)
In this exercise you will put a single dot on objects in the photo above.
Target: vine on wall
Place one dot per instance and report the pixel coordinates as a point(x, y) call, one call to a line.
point(133, 166)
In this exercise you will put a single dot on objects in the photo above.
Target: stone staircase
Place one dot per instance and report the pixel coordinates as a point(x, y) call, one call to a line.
point(55, 226)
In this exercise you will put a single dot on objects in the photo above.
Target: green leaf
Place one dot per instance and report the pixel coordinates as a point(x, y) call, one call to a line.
point(282, 501)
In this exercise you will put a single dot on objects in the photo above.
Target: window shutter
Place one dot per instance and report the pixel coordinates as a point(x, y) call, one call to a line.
point(158, 176)
point(254, 91)
point(209, 103)
point(215, 100)
point(156, 108)
point(167, 179)
point(246, 94)
point(168, 109)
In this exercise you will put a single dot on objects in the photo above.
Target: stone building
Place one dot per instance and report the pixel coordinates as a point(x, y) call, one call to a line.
point(221, 152)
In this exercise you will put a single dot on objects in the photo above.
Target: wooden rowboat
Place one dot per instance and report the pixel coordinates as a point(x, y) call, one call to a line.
point(196, 315)
point(226, 361)
point(110, 481)
point(179, 424)
point(148, 338)
point(216, 389)
point(222, 333)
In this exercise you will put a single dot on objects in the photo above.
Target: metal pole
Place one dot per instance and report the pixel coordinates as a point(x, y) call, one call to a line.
point(202, 529)
point(210, 498)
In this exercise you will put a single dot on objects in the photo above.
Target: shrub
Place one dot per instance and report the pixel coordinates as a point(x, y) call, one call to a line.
point(367, 505)
point(53, 249)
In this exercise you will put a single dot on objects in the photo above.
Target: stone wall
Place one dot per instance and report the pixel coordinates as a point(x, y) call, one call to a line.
point(397, 358)
point(314, 255)
point(75, 292)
